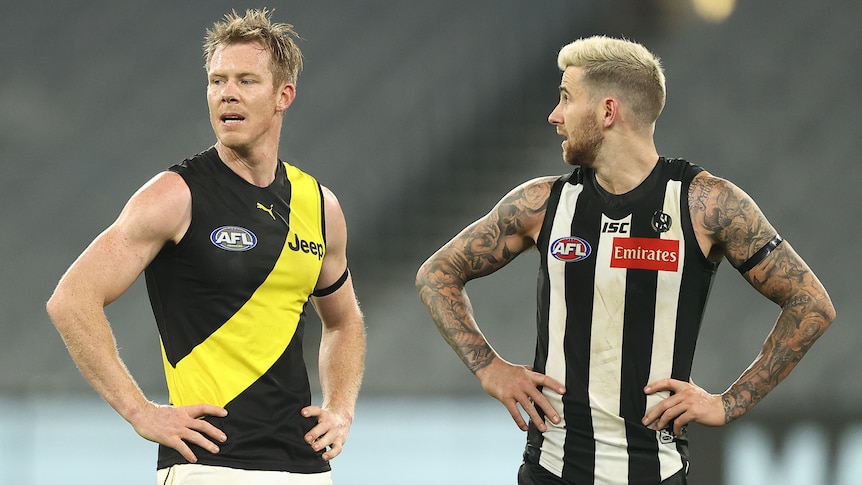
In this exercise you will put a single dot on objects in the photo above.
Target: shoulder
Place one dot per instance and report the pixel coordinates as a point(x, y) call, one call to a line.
point(163, 191)
point(331, 205)
point(521, 211)
point(707, 191)
point(162, 207)
point(532, 194)
point(335, 224)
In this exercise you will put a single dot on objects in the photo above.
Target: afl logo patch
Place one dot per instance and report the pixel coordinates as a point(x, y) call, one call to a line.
point(570, 249)
point(233, 238)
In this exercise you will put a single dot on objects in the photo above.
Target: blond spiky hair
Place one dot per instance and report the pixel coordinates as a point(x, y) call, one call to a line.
point(257, 26)
point(620, 67)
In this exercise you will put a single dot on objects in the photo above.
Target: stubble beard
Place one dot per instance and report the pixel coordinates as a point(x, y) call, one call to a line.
point(584, 149)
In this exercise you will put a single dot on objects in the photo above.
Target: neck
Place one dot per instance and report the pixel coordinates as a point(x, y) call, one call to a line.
point(256, 167)
point(620, 167)
point(624, 175)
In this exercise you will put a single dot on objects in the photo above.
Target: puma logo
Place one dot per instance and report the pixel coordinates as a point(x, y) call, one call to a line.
point(266, 209)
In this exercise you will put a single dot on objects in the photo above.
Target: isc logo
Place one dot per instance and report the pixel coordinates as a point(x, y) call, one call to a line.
point(615, 227)
point(233, 238)
point(570, 249)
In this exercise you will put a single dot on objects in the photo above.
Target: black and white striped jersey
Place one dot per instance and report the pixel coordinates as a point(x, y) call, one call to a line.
point(621, 295)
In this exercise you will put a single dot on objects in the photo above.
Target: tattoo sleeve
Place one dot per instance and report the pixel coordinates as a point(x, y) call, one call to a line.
point(479, 250)
point(737, 226)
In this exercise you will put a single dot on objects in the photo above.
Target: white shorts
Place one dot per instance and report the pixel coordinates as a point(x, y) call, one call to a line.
point(194, 474)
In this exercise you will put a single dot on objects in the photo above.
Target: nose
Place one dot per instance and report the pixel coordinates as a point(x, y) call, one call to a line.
point(228, 92)
point(555, 117)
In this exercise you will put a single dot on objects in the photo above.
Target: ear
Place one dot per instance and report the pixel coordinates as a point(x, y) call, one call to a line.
point(611, 112)
point(286, 95)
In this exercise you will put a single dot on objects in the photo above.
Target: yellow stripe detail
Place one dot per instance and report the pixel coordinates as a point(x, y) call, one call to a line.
point(231, 359)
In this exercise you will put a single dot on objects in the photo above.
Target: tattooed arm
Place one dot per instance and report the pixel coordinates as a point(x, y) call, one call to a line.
point(730, 224)
point(482, 248)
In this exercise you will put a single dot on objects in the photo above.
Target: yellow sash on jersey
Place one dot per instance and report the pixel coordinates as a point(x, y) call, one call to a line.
point(231, 359)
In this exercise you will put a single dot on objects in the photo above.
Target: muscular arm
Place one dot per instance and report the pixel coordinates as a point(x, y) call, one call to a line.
point(482, 248)
point(157, 213)
point(740, 229)
point(342, 343)
point(728, 223)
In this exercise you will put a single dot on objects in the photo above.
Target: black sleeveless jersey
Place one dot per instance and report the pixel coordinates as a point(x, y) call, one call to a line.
point(622, 289)
point(229, 300)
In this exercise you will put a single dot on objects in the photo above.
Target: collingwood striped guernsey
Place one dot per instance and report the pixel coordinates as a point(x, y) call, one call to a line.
point(621, 295)
point(229, 301)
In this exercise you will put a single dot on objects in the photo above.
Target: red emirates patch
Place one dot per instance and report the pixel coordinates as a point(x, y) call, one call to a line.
point(645, 253)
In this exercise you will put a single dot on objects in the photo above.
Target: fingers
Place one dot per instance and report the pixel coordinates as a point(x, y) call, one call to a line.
point(668, 409)
point(517, 385)
point(663, 413)
point(330, 433)
point(547, 408)
point(666, 384)
point(333, 451)
point(688, 403)
point(516, 414)
point(202, 428)
point(183, 450)
point(528, 401)
point(201, 410)
point(310, 411)
point(179, 427)
point(551, 383)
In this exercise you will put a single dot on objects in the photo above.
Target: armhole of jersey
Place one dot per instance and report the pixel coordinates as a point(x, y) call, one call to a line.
point(322, 214)
point(169, 247)
point(688, 228)
point(551, 208)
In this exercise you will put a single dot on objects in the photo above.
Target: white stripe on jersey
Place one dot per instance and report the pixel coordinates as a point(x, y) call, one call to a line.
point(667, 305)
point(551, 457)
point(606, 359)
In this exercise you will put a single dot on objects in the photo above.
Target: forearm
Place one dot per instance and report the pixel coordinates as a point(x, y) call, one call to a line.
point(342, 363)
point(450, 308)
point(801, 322)
point(92, 346)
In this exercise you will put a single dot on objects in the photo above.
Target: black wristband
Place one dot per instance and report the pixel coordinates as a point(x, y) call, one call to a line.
point(760, 255)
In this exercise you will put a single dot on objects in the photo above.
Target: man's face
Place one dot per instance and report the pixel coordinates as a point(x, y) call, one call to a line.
point(245, 107)
point(576, 119)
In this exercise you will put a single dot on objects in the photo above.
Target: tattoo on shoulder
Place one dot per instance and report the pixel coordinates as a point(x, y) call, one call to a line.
point(486, 248)
point(730, 216)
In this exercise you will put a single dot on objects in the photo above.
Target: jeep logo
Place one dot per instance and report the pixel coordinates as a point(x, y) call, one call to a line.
point(308, 247)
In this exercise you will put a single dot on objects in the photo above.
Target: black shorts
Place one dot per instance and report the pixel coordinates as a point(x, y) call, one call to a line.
point(530, 474)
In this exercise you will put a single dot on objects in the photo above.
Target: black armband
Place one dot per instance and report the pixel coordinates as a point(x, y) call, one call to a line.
point(760, 255)
point(333, 287)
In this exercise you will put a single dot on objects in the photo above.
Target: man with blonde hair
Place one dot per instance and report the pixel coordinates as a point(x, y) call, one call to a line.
point(629, 242)
point(234, 243)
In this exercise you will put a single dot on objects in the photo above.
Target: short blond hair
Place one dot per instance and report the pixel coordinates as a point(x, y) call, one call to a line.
point(257, 26)
point(622, 68)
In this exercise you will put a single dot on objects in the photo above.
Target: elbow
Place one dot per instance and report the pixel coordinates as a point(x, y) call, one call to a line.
point(59, 309)
point(829, 312)
point(421, 277)
point(54, 308)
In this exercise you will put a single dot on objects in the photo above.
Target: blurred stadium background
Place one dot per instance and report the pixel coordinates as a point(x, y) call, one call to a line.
point(420, 115)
